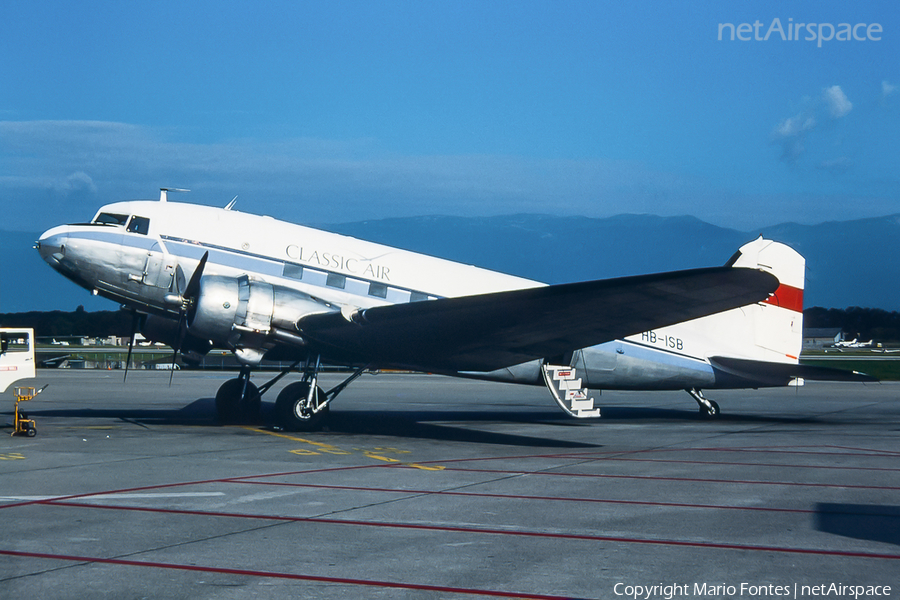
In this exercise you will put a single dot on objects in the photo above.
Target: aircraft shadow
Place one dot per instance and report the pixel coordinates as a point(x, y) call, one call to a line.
point(448, 426)
point(431, 425)
point(647, 414)
point(435, 424)
point(199, 412)
point(873, 522)
point(202, 411)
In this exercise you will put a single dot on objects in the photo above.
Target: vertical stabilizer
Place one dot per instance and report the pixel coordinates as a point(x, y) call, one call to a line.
point(778, 321)
point(770, 331)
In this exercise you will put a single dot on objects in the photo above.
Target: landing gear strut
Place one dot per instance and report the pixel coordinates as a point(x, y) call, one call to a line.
point(303, 405)
point(708, 407)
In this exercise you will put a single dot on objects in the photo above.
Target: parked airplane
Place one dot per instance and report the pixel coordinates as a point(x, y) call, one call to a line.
point(854, 343)
point(203, 277)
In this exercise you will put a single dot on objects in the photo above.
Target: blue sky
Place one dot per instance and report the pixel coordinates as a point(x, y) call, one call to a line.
point(338, 111)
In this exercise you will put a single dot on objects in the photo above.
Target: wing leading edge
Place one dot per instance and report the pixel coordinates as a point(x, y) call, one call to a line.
point(492, 331)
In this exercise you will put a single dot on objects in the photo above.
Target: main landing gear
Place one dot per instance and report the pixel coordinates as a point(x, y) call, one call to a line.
point(708, 407)
point(238, 400)
point(300, 406)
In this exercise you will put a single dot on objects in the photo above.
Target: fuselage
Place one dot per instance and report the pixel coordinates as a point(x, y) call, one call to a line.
point(134, 252)
point(141, 254)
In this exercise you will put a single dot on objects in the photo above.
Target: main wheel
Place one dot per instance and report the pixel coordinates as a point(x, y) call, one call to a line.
point(712, 411)
point(290, 412)
point(233, 407)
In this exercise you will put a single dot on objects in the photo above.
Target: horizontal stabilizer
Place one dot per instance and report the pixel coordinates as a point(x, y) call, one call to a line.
point(492, 331)
point(772, 373)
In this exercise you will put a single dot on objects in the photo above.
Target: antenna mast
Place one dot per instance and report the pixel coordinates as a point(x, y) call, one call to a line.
point(163, 191)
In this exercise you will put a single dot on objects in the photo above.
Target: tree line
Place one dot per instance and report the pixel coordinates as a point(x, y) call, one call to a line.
point(78, 323)
point(864, 323)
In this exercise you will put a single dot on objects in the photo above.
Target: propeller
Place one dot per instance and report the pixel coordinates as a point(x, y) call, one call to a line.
point(188, 298)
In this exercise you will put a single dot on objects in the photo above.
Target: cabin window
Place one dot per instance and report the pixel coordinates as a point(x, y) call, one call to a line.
point(417, 297)
point(139, 225)
point(110, 219)
point(378, 290)
point(292, 270)
point(336, 281)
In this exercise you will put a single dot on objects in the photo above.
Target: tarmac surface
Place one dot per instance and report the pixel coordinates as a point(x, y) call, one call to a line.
point(430, 487)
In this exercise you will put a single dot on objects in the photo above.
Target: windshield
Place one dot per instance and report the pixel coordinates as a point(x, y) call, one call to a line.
point(110, 219)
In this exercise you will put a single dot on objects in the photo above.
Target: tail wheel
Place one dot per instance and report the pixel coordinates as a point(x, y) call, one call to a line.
point(291, 410)
point(235, 405)
point(712, 411)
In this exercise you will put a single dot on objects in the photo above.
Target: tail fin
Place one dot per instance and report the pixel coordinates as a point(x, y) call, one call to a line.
point(775, 325)
point(770, 331)
point(778, 321)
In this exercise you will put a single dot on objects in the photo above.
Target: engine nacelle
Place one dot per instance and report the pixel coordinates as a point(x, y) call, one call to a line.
point(228, 307)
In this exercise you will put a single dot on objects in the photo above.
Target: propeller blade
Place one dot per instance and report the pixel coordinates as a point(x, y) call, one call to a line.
point(134, 325)
point(172, 370)
point(193, 286)
point(189, 295)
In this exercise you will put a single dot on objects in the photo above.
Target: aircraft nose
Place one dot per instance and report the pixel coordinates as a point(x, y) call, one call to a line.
point(52, 244)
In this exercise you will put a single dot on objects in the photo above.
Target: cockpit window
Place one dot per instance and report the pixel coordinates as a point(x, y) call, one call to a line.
point(139, 225)
point(110, 219)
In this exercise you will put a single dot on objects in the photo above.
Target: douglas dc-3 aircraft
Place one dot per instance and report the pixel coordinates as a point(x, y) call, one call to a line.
point(201, 277)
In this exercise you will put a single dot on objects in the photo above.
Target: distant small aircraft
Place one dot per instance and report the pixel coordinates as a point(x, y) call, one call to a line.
point(198, 277)
point(854, 343)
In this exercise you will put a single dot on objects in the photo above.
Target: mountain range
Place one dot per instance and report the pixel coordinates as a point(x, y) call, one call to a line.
point(849, 263)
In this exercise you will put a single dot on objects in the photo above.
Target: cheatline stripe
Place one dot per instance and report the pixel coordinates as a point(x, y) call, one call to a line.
point(275, 575)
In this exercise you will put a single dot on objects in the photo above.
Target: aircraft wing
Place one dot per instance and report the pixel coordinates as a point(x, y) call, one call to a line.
point(496, 330)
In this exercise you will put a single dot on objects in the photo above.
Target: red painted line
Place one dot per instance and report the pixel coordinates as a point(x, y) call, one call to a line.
point(488, 531)
point(781, 450)
point(275, 575)
point(799, 450)
point(660, 478)
point(161, 486)
point(744, 464)
point(875, 452)
point(524, 497)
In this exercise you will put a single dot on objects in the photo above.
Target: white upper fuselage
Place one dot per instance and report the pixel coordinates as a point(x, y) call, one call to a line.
point(338, 269)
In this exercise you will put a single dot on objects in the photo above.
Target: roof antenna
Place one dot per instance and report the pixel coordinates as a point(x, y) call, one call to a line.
point(163, 191)
point(231, 204)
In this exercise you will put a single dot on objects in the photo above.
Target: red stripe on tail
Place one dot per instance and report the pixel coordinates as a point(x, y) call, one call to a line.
point(787, 297)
